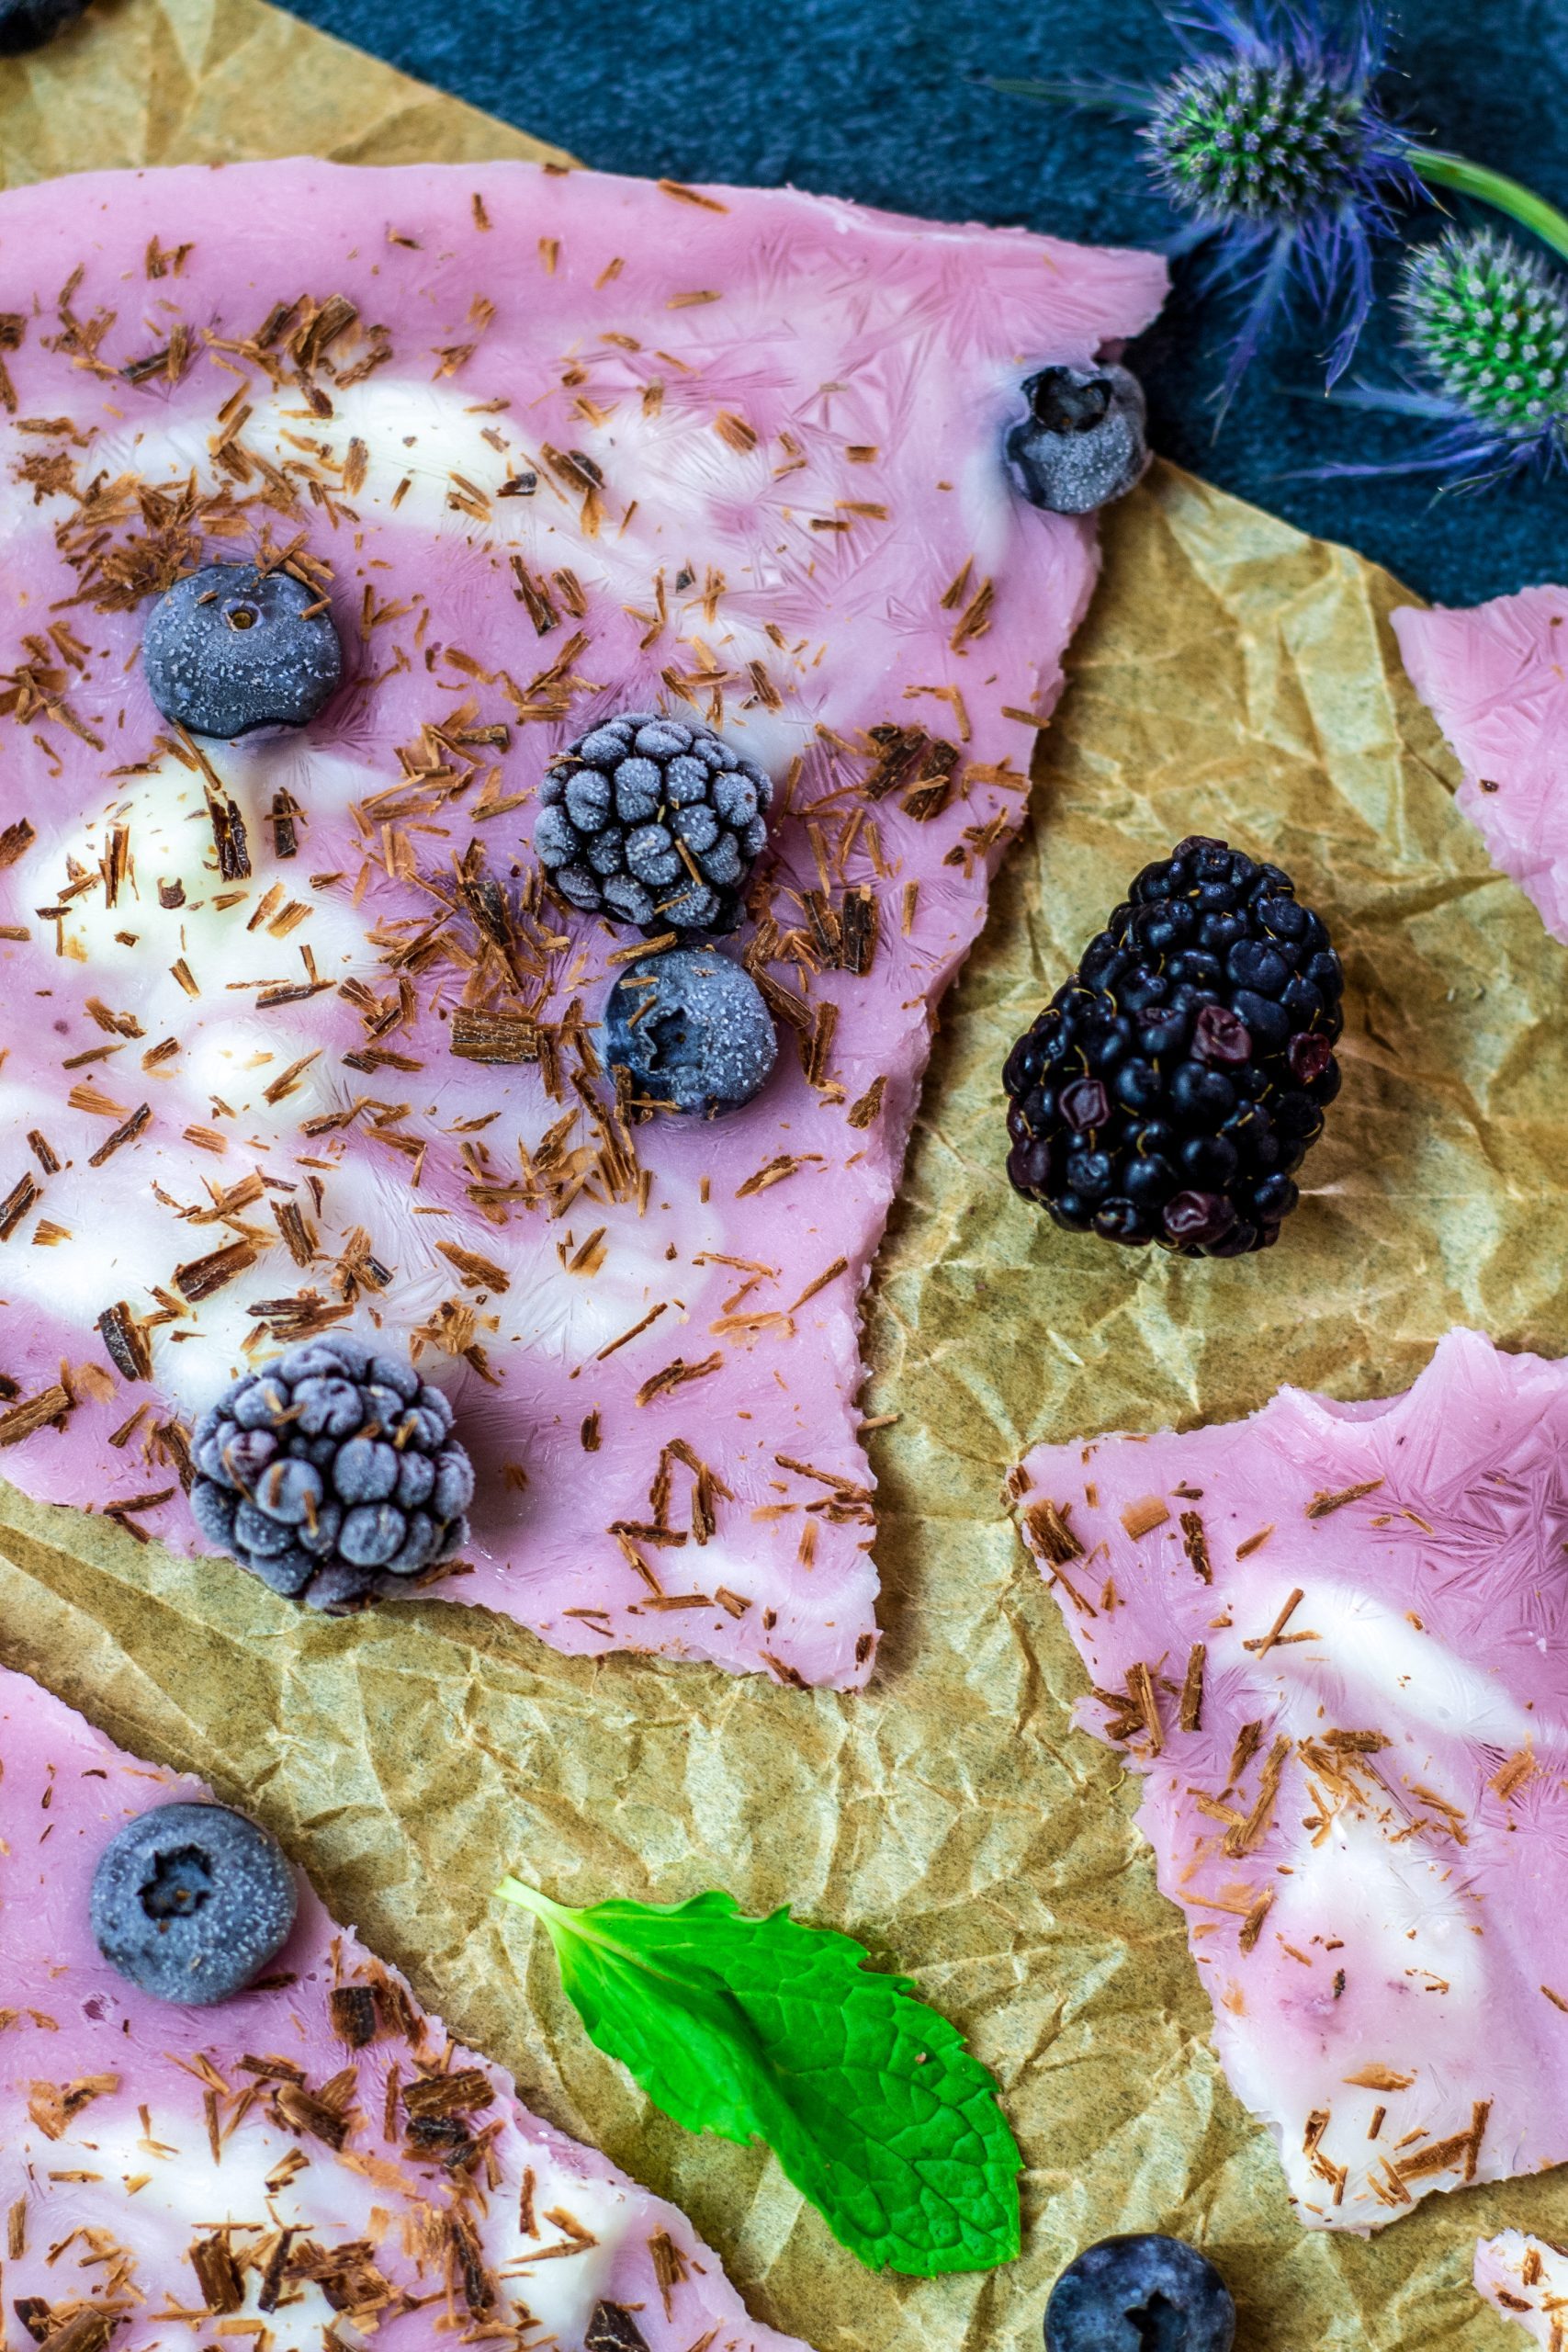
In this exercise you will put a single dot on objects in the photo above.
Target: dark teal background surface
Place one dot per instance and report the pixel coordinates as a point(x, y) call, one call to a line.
point(881, 100)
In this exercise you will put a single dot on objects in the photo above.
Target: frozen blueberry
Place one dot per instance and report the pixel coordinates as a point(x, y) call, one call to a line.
point(191, 1900)
point(692, 1028)
point(230, 649)
point(27, 24)
point(1082, 443)
point(1139, 2295)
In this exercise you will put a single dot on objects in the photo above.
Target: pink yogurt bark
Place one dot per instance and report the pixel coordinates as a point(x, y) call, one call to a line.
point(1329, 1639)
point(1495, 680)
point(1525, 2279)
point(555, 445)
point(277, 2129)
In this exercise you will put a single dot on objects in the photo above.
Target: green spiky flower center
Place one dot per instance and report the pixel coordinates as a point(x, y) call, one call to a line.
point(1489, 323)
point(1256, 138)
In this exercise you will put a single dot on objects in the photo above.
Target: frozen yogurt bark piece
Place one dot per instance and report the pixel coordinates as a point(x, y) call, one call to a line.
point(295, 1037)
point(1494, 681)
point(1526, 2280)
point(1328, 1639)
point(316, 2154)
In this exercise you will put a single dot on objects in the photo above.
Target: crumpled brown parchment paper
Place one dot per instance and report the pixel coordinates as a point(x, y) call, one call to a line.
point(1232, 677)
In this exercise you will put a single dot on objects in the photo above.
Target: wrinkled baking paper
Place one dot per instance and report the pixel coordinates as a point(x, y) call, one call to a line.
point(1232, 677)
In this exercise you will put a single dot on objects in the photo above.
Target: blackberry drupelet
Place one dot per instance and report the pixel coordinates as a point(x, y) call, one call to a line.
point(1174, 1083)
point(333, 1475)
point(653, 821)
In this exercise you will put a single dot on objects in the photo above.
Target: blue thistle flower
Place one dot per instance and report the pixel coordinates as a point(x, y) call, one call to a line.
point(1272, 146)
point(1486, 324)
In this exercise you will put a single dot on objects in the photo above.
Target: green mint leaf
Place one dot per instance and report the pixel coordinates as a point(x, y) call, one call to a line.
point(764, 2028)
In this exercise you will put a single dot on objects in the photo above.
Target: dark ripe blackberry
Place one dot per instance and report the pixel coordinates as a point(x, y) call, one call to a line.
point(653, 821)
point(1171, 1088)
point(333, 1475)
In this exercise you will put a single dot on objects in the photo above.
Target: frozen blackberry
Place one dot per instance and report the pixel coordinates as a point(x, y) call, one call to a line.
point(653, 821)
point(333, 1475)
point(229, 649)
point(1174, 1083)
point(691, 1026)
point(191, 1900)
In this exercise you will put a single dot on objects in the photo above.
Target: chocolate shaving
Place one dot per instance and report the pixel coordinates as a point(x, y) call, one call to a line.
point(199, 1277)
point(229, 838)
point(444, 2095)
point(281, 816)
point(298, 2107)
point(218, 2275)
point(1049, 1531)
point(16, 1204)
point(355, 2018)
point(613, 2329)
point(126, 1341)
point(24, 1421)
point(126, 1133)
point(494, 1036)
point(907, 758)
point(15, 841)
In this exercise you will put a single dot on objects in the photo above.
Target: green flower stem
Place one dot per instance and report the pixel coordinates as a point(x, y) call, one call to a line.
point(1504, 195)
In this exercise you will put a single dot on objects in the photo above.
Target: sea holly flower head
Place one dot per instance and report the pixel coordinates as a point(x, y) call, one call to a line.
point(1486, 324)
point(1272, 146)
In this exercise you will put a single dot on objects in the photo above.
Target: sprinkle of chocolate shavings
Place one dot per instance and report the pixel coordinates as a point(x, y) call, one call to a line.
point(907, 759)
point(35, 1413)
point(229, 837)
point(1141, 1519)
point(458, 2094)
point(533, 594)
point(126, 1133)
point(1249, 1833)
point(1322, 1504)
point(15, 841)
point(479, 2288)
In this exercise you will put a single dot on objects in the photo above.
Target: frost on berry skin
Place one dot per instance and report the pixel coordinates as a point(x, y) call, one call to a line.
point(191, 1900)
point(333, 1475)
point(1082, 443)
point(1173, 1085)
point(28, 24)
point(230, 649)
point(653, 821)
point(693, 1030)
point(1126, 2294)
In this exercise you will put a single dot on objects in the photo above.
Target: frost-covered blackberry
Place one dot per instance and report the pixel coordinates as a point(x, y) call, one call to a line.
point(653, 821)
point(333, 1474)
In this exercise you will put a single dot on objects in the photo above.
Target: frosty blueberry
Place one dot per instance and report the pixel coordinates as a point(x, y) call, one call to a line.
point(1143, 2293)
point(692, 1028)
point(1082, 443)
point(333, 1474)
point(191, 1900)
point(653, 821)
point(229, 649)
